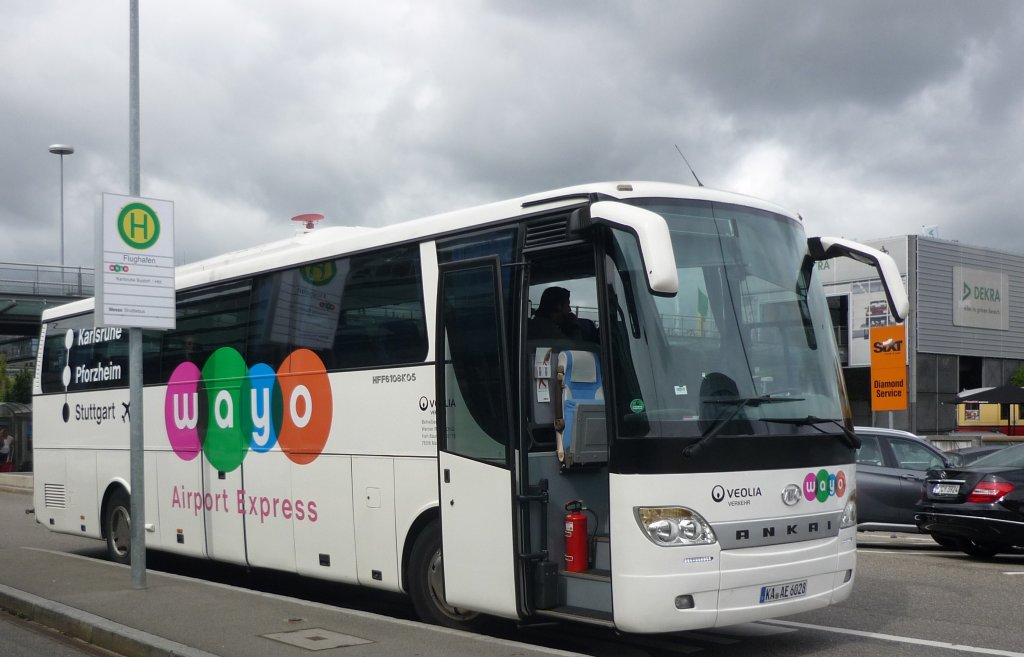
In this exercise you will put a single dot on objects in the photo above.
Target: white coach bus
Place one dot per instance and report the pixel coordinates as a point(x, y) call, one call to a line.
point(386, 407)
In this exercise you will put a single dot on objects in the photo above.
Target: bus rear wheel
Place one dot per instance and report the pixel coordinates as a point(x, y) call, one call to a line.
point(426, 584)
point(117, 527)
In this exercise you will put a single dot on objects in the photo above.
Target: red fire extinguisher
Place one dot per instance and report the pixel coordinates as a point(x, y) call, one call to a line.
point(576, 538)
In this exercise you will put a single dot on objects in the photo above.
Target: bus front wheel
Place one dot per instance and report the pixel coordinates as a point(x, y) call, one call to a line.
point(117, 526)
point(426, 584)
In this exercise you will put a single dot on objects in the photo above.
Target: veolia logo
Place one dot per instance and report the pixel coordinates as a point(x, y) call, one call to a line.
point(138, 226)
point(823, 485)
point(227, 408)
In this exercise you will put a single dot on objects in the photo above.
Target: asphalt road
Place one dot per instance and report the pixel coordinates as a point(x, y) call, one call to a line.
point(911, 598)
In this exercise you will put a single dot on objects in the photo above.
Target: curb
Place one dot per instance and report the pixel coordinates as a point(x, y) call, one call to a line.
point(92, 629)
point(16, 483)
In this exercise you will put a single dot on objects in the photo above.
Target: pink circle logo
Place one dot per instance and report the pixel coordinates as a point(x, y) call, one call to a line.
point(181, 411)
point(810, 486)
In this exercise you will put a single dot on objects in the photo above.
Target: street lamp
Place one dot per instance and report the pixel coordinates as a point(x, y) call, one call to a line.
point(62, 150)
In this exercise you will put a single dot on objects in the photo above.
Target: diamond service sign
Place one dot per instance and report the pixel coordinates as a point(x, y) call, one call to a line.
point(888, 368)
point(135, 268)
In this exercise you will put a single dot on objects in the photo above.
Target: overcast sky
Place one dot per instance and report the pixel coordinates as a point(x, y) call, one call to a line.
point(871, 119)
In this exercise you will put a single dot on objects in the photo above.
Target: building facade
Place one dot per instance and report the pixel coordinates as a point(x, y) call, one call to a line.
point(965, 329)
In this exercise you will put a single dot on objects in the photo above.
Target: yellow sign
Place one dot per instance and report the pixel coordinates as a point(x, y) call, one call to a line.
point(888, 368)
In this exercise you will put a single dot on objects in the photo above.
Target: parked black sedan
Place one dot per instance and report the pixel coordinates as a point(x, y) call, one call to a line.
point(981, 509)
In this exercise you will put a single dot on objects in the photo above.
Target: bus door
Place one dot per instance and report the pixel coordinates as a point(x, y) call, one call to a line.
point(225, 529)
point(475, 453)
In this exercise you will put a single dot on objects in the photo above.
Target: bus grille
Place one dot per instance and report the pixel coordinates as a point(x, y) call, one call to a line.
point(55, 496)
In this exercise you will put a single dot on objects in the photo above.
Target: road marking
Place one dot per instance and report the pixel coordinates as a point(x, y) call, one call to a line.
point(898, 639)
point(913, 552)
point(750, 630)
point(1016, 572)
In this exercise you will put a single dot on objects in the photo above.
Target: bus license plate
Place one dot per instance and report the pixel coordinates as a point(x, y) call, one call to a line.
point(783, 591)
point(945, 489)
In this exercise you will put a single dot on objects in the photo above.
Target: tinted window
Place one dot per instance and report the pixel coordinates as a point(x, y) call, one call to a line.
point(476, 419)
point(359, 311)
point(88, 358)
point(870, 452)
point(381, 320)
point(911, 455)
point(1009, 457)
point(207, 319)
point(496, 243)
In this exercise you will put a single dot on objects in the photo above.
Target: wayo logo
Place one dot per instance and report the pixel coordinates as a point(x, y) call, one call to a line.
point(227, 408)
point(823, 485)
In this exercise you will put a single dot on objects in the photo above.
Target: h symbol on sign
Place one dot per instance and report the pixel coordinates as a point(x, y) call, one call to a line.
point(139, 221)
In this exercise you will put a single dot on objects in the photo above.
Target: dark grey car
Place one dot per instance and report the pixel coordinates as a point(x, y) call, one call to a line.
point(891, 468)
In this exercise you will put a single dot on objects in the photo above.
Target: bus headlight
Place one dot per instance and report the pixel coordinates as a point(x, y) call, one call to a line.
point(849, 518)
point(674, 525)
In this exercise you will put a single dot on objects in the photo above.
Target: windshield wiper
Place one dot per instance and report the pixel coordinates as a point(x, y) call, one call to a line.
point(696, 448)
point(849, 437)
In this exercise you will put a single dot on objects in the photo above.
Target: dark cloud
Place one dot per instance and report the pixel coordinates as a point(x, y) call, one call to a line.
point(870, 118)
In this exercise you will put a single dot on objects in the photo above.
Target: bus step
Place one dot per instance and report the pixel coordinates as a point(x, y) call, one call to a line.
point(579, 614)
point(596, 574)
point(587, 590)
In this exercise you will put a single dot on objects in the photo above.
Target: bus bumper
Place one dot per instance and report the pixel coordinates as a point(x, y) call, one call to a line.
point(744, 585)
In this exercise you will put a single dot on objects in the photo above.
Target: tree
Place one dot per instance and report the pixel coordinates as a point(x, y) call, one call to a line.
point(21, 389)
point(1017, 378)
point(5, 381)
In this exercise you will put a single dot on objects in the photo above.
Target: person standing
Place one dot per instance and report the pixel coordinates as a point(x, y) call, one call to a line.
point(6, 450)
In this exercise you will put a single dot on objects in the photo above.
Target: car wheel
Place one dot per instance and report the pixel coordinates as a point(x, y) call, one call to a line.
point(117, 526)
point(979, 550)
point(426, 584)
point(946, 541)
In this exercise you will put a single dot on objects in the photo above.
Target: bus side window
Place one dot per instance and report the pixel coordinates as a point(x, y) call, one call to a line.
point(382, 319)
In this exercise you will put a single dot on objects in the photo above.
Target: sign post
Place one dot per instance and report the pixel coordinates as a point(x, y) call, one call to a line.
point(135, 289)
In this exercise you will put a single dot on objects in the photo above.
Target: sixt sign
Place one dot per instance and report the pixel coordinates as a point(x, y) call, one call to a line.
point(888, 346)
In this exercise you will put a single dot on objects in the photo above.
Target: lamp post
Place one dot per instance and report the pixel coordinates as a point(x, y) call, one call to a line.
point(62, 150)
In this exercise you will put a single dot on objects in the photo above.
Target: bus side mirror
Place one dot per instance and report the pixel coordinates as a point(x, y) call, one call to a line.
point(826, 248)
point(651, 233)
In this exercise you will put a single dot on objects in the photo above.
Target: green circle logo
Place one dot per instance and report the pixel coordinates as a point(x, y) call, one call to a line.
point(138, 226)
point(637, 406)
point(320, 273)
point(824, 488)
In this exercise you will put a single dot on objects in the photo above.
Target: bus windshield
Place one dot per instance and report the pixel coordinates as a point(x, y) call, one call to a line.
point(745, 347)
